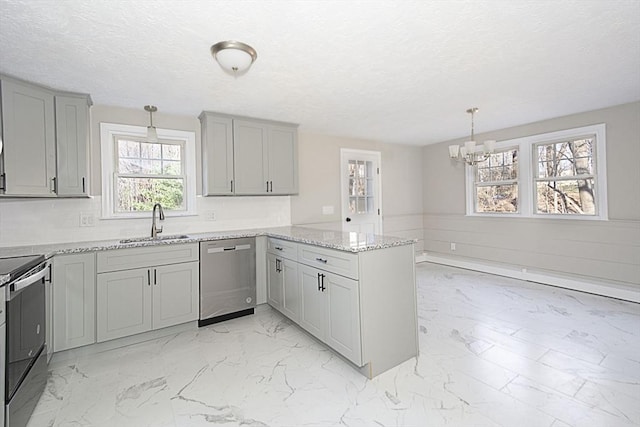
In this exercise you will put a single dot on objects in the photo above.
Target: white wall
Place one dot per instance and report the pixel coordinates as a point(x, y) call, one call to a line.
point(602, 251)
point(319, 180)
point(39, 221)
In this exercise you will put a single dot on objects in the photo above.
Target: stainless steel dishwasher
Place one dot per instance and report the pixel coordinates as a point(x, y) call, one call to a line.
point(227, 279)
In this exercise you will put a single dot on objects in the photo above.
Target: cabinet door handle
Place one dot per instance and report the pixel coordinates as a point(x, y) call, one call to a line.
point(322, 260)
point(155, 273)
point(53, 184)
point(267, 182)
point(271, 185)
point(322, 282)
point(3, 176)
point(319, 286)
point(83, 187)
point(232, 186)
point(148, 277)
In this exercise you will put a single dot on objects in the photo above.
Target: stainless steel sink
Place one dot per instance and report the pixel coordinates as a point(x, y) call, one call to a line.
point(155, 239)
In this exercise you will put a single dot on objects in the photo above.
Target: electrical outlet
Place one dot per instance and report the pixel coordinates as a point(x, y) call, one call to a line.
point(327, 210)
point(210, 215)
point(87, 219)
point(453, 246)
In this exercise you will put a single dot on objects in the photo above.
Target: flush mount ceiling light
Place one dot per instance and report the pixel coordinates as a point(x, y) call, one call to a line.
point(152, 134)
point(468, 152)
point(234, 57)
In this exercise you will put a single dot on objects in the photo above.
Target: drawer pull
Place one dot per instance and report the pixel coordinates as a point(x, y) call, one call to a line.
point(278, 248)
point(322, 260)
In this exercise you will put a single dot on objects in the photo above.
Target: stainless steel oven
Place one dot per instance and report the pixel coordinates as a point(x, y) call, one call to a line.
point(26, 364)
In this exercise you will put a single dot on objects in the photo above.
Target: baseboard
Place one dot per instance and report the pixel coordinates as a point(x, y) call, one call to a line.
point(619, 291)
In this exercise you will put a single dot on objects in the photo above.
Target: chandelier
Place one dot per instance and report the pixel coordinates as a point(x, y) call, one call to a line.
point(469, 153)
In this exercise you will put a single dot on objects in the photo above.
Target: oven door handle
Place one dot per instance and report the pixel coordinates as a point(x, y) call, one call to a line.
point(18, 286)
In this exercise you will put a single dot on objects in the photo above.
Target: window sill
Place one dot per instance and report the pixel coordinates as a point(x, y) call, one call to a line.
point(538, 216)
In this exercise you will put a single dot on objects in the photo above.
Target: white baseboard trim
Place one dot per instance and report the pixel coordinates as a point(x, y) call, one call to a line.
point(627, 293)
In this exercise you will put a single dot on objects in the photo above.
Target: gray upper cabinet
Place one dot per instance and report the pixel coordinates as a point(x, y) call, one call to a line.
point(72, 134)
point(29, 157)
point(217, 155)
point(283, 160)
point(244, 156)
point(46, 137)
point(251, 157)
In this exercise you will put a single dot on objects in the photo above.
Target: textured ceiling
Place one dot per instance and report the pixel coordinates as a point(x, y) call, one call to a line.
point(391, 71)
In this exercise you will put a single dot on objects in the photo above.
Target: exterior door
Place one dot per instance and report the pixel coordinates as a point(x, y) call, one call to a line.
point(361, 191)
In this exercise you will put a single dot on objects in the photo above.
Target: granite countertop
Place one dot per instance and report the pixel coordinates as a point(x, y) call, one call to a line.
point(348, 242)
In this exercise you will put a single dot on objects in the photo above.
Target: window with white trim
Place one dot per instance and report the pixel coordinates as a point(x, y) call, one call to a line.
point(137, 174)
point(553, 175)
point(496, 182)
point(564, 177)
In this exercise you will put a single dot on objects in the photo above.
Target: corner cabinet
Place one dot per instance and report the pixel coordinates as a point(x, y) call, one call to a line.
point(147, 288)
point(243, 156)
point(46, 136)
point(282, 278)
point(74, 292)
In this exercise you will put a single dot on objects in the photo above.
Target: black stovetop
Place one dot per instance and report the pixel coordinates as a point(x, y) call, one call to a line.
point(17, 266)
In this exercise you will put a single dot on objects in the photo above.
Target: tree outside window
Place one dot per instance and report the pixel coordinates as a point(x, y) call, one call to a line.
point(148, 173)
point(565, 181)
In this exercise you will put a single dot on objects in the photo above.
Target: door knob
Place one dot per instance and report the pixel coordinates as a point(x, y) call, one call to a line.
point(348, 219)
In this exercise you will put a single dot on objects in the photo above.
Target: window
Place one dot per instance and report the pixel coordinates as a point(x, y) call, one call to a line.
point(565, 180)
point(361, 186)
point(496, 182)
point(137, 174)
point(148, 173)
point(553, 175)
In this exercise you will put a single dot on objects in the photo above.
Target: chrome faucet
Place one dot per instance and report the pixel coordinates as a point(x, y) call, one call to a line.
point(155, 230)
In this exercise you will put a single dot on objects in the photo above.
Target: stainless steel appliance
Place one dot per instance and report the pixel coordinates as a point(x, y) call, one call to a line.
point(26, 364)
point(227, 279)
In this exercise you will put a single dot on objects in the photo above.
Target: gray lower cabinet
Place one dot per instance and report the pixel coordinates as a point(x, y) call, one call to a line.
point(3, 339)
point(175, 294)
point(274, 281)
point(362, 305)
point(244, 156)
point(124, 303)
point(330, 310)
point(142, 289)
point(282, 286)
point(74, 291)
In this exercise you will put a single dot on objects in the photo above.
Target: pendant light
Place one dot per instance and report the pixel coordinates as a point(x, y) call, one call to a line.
point(152, 133)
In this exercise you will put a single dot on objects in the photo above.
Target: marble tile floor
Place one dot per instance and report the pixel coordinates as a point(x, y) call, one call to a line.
point(493, 352)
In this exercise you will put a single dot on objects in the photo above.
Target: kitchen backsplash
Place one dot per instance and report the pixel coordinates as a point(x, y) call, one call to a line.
point(41, 221)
